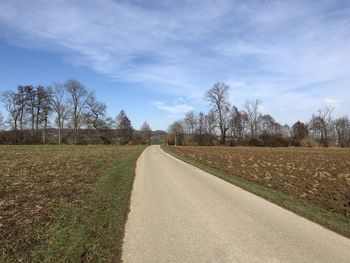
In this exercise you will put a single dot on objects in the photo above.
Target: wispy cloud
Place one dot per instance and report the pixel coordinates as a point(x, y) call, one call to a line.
point(174, 109)
point(291, 54)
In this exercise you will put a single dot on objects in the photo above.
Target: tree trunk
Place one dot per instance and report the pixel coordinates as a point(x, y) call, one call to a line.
point(59, 135)
point(223, 138)
point(16, 132)
point(75, 135)
point(45, 128)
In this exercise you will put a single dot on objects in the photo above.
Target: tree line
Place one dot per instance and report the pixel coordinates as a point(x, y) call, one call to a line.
point(226, 124)
point(64, 113)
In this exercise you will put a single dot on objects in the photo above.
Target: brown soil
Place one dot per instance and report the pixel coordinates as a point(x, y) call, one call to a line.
point(36, 182)
point(318, 175)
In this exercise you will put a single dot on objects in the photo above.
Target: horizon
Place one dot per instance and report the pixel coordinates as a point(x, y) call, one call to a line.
point(155, 61)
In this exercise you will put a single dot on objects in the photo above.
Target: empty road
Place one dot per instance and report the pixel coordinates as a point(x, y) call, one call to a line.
point(182, 214)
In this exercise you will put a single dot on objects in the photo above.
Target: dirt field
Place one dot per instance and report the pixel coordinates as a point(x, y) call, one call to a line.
point(321, 176)
point(37, 182)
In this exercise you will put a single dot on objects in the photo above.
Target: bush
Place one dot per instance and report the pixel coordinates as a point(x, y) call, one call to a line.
point(254, 142)
point(308, 142)
point(294, 143)
point(274, 140)
point(267, 140)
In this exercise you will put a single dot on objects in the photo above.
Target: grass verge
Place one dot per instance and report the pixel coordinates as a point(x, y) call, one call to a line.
point(94, 231)
point(333, 221)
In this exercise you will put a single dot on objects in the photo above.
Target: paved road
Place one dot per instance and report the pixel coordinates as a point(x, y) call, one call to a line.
point(182, 214)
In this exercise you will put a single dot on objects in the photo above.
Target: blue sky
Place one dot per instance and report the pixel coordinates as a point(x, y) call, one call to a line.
point(156, 59)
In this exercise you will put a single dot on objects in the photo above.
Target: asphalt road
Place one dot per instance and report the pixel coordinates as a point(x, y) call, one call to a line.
point(182, 214)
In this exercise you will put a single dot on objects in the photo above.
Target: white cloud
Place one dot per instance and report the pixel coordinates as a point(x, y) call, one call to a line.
point(174, 109)
point(236, 83)
point(332, 102)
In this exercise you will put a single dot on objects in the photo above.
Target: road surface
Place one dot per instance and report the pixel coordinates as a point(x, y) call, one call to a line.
point(182, 214)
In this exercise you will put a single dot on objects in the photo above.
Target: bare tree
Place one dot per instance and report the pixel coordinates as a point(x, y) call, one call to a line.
point(190, 122)
point(268, 125)
point(201, 123)
point(245, 126)
point(78, 99)
point(300, 131)
point(237, 123)
point(146, 133)
point(218, 96)
point(60, 107)
point(44, 107)
point(320, 125)
point(252, 113)
point(124, 128)
point(210, 122)
point(21, 104)
point(201, 128)
point(35, 106)
point(96, 117)
point(10, 99)
point(30, 105)
point(286, 131)
point(176, 129)
point(44, 95)
point(315, 126)
point(38, 99)
point(342, 127)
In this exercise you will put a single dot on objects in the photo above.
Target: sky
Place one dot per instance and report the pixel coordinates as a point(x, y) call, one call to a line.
point(156, 59)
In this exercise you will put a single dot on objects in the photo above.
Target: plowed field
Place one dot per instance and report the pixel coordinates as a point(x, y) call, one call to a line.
point(38, 183)
point(318, 175)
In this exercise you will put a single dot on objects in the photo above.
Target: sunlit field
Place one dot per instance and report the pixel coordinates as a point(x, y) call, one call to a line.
point(64, 199)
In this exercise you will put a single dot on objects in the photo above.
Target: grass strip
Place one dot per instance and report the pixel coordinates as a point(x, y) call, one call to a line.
point(93, 231)
point(333, 221)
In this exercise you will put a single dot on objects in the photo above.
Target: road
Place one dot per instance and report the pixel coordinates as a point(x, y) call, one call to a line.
point(182, 214)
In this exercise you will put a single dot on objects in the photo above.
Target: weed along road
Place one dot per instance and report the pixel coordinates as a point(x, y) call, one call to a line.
point(179, 213)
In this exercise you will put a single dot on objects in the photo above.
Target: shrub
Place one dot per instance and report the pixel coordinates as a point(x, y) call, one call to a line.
point(308, 142)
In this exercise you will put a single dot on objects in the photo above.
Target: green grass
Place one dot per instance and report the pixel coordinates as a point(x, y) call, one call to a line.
point(93, 231)
point(334, 221)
